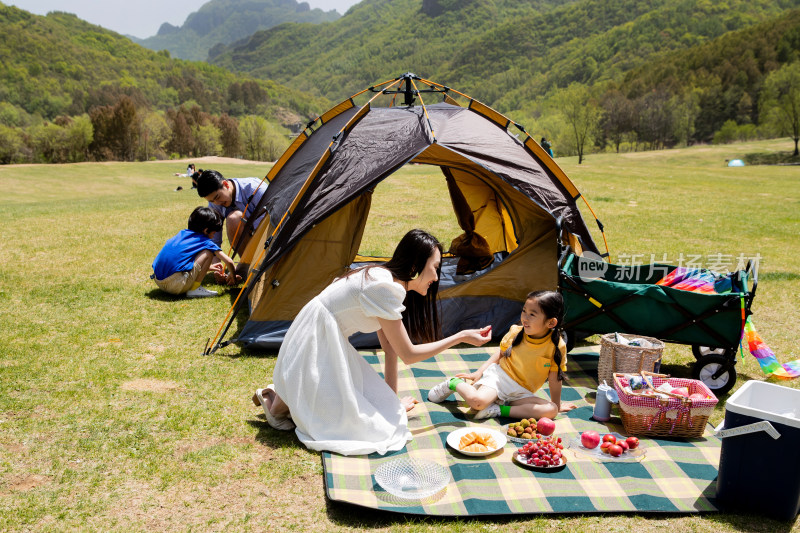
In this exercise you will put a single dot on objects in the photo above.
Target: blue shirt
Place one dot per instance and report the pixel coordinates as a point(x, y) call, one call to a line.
point(179, 252)
point(244, 188)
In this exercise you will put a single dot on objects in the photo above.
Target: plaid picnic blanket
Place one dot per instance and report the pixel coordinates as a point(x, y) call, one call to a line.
point(675, 476)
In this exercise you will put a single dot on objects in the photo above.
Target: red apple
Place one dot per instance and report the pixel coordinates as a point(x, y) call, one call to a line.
point(622, 444)
point(590, 439)
point(545, 426)
point(609, 438)
point(632, 442)
point(615, 450)
point(682, 391)
point(697, 396)
point(605, 446)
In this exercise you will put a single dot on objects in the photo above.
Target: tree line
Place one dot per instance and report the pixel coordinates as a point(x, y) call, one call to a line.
point(611, 120)
point(125, 131)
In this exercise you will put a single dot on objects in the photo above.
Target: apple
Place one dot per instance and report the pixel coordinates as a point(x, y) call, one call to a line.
point(615, 450)
point(622, 444)
point(609, 438)
point(545, 426)
point(697, 396)
point(605, 446)
point(632, 442)
point(682, 391)
point(590, 439)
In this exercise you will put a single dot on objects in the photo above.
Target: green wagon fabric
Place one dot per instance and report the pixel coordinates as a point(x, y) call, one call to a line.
point(674, 476)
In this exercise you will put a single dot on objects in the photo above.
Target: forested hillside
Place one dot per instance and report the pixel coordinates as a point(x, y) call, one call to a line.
point(725, 76)
point(227, 21)
point(62, 77)
point(500, 51)
point(651, 74)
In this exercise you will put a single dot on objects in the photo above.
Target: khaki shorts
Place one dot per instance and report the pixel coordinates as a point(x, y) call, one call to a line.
point(507, 389)
point(180, 282)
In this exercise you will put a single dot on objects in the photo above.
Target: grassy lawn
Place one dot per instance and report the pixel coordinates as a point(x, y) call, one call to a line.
point(111, 419)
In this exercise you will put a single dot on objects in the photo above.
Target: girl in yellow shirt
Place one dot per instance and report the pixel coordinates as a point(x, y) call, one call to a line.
point(529, 355)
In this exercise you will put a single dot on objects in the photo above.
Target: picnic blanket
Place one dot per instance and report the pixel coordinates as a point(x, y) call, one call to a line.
point(675, 476)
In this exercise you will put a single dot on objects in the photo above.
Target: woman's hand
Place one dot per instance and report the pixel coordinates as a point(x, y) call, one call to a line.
point(408, 402)
point(477, 337)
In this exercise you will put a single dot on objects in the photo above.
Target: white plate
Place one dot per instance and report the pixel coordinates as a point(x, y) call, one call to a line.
point(598, 455)
point(455, 437)
point(524, 462)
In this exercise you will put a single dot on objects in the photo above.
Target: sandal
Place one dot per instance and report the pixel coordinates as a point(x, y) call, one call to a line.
point(282, 423)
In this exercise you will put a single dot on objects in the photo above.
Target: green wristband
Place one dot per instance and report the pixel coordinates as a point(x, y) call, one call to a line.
point(454, 383)
point(505, 410)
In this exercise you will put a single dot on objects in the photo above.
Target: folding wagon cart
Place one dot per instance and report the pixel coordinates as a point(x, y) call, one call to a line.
point(604, 298)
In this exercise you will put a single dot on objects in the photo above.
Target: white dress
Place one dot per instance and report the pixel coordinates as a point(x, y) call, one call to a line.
point(338, 402)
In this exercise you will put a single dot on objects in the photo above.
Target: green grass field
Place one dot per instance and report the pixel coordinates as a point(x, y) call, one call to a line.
point(112, 420)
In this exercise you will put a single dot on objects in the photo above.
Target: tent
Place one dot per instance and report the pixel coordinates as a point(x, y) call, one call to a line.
point(507, 194)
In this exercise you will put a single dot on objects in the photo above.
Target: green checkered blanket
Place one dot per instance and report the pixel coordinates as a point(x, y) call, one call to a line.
point(676, 476)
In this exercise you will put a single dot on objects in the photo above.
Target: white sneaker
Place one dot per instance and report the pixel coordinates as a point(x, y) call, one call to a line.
point(493, 411)
point(201, 292)
point(440, 392)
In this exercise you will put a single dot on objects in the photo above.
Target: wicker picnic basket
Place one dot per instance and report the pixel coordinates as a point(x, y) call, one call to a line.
point(618, 357)
point(676, 416)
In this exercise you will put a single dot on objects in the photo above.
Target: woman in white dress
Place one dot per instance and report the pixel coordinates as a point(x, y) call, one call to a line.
point(325, 388)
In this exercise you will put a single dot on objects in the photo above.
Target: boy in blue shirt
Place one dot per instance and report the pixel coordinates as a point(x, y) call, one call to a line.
point(184, 260)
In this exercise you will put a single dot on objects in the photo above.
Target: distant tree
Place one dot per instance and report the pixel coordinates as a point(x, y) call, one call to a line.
point(254, 137)
point(277, 141)
point(154, 135)
point(728, 133)
point(207, 140)
point(126, 123)
point(617, 119)
point(11, 145)
point(49, 142)
point(181, 141)
point(79, 136)
point(684, 110)
point(116, 130)
point(102, 146)
point(229, 136)
point(581, 112)
point(654, 124)
point(780, 101)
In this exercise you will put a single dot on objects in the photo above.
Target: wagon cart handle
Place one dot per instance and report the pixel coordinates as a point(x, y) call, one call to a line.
point(752, 271)
point(563, 250)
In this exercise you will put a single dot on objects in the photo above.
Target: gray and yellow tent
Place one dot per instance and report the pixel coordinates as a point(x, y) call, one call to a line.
point(506, 191)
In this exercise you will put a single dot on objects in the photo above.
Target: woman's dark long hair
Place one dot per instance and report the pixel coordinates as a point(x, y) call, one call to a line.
point(552, 305)
point(421, 316)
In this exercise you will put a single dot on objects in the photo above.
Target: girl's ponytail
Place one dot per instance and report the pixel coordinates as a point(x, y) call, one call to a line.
point(515, 341)
point(555, 337)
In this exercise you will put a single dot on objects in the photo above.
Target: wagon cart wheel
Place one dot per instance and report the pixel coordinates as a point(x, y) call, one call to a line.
point(701, 351)
point(718, 372)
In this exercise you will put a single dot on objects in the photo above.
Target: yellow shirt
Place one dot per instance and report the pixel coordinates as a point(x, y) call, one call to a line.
point(531, 361)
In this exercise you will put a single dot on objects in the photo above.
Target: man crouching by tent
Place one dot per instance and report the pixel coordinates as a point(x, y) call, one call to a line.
point(236, 200)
